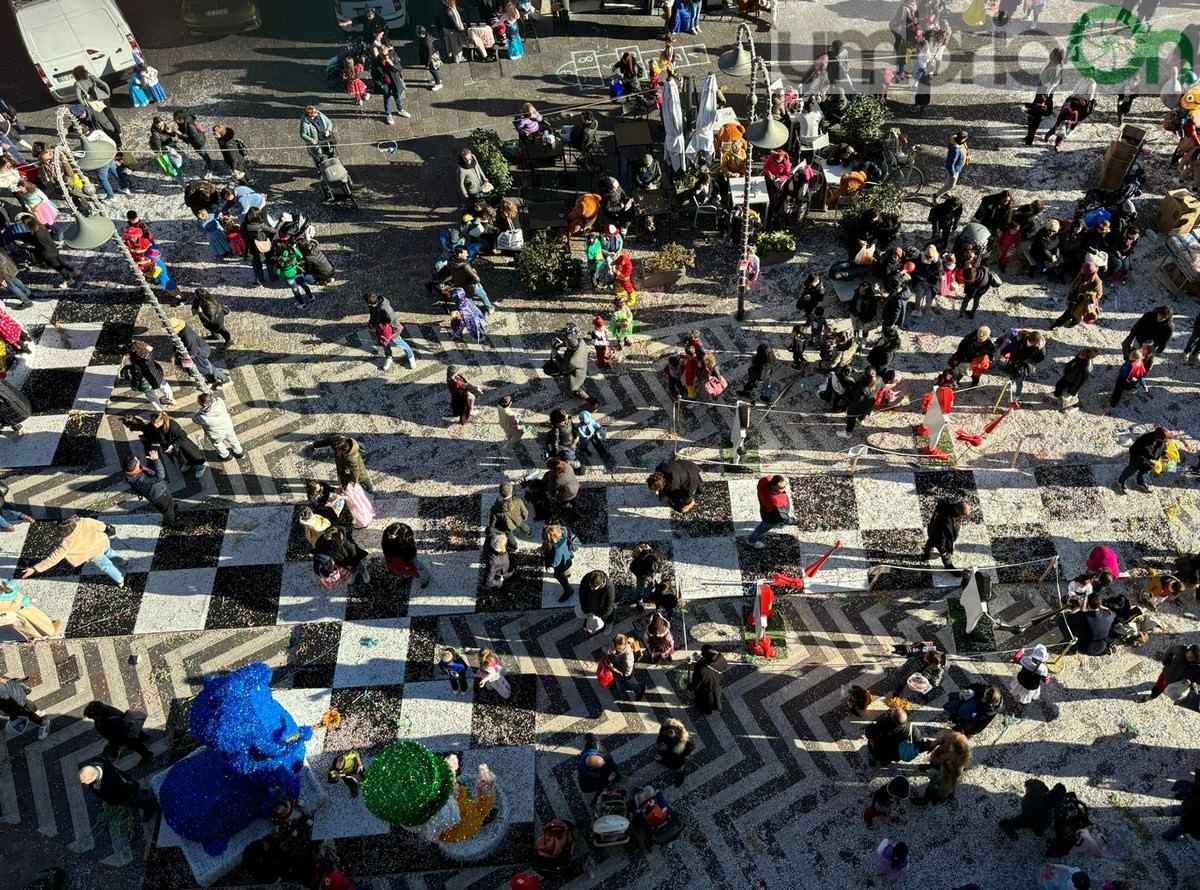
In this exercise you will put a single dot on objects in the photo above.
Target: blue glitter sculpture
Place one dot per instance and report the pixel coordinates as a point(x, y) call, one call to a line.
point(253, 758)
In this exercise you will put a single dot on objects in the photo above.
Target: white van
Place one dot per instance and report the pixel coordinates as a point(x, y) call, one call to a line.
point(61, 34)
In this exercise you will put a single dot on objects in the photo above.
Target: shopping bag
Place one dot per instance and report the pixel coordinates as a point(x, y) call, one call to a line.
point(976, 14)
point(359, 502)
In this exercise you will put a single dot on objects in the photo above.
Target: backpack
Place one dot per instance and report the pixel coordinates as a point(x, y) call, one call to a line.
point(714, 385)
point(573, 542)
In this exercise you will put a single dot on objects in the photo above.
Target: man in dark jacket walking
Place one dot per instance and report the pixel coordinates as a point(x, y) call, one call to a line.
point(707, 680)
point(150, 482)
point(117, 788)
point(200, 352)
point(121, 729)
point(1145, 451)
point(1156, 326)
point(189, 132)
point(461, 273)
point(676, 482)
point(571, 356)
point(944, 216)
point(598, 597)
point(943, 529)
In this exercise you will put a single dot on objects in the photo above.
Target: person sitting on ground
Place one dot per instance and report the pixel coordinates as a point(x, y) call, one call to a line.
point(1091, 625)
point(886, 734)
point(973, 708)
point(595, 767)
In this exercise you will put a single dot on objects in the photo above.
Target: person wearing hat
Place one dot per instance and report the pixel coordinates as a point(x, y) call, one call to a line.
point(956, 160)
point(1026, 686)
point(201, 353)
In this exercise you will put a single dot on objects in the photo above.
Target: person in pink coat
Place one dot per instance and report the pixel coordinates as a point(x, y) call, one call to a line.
point(1104, 559)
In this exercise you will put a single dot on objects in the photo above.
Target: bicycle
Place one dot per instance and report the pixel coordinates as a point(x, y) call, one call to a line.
point(904, 174)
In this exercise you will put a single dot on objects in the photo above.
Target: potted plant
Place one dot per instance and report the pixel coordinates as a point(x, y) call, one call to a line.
point(666, 267)
point(545, 266)
point(885, 198)
point(685, 181)
point(775, 247)
point(489, 151)
point(863, 123)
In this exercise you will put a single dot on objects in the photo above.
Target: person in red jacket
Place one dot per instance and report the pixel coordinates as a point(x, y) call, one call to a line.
point(623, 270)
point(774, 507)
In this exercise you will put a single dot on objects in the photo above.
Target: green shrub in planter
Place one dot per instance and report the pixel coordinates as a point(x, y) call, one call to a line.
point(671, 258)
point(884, 198)
point(775, 242)
point(686, 181)
point(489, 150)
point(545, 266)
point(863, 124)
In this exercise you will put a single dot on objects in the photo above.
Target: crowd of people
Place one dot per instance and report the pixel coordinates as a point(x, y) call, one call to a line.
point(953, 270)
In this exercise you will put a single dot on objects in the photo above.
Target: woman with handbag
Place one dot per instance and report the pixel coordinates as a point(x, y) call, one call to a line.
point(93, 94)
point(430, 58)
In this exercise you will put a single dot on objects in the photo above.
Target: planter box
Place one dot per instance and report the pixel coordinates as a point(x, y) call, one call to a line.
point(661, 279)
point(777, 257)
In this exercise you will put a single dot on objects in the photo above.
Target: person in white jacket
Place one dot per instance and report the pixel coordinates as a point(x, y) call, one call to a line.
point(214, 419)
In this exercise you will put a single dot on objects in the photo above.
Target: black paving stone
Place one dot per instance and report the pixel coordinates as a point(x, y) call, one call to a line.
point(193, 542)
point(244, 596)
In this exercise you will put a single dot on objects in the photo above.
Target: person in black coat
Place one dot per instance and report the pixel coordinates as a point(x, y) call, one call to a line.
point(200, 352)
point(336, 549)
point(233, 152)
point(860, 400)
point(885, 735)
point(1075, 374)
point(171, 439)
point(1156, 326)
point(758, 379)
point(707, 680)
point(15, 408)
point(1091, 625)
point(1022, 354)
point(316, 263)
point(943, 529)
point(673, 747)
point(258, 234)
point(116, 787)
point(1143, 453)
point(41, 244)
point(497, 567)
point(971, 347)
point(676, 482)
point(212, 314)
point(121, 729)
point(945, 216)
point(595, 767)
point(597, 595)
point(189, 132)
point(885, 348)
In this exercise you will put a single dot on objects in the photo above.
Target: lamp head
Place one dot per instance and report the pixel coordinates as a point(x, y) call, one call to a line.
point(767, 133)
point(735, 62)
point(89, 232)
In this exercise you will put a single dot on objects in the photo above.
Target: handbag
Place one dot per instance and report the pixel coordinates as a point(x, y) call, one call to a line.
point(513, 239)
point(435, 60)
point(97, 106)
point(907, 749)
point(384, 333)
point(714, 386)
point(359, 503)
point(604, 673)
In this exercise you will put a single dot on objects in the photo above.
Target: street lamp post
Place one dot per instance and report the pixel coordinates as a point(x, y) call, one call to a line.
point(767, 134)
point(92, 232)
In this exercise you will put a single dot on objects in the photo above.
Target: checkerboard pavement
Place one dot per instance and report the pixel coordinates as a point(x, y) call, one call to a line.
point(249, 566)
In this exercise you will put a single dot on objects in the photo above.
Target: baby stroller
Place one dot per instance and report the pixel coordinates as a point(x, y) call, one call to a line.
point(554, 851)
point(610, 818)
point(660, 822)
point(336, 184)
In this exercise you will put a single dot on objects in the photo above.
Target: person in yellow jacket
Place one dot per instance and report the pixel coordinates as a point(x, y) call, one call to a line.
point(733, 159)
point(84, 540)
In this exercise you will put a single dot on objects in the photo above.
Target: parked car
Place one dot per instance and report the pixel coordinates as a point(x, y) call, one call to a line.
point(61, 34)
point(221, 16)
point(394, 12)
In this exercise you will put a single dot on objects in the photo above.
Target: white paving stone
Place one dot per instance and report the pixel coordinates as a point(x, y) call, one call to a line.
point(887, 500)
point(67, 346)
point(1009, 497)
point(437, 718)
point(303, 599)
point(454, 585)
point(36, 448)
point(846, 569)
point(587, 558)
point(343, 815)
point(635, 514)
point(256, 536)
point(95, 388)
point(743, 505)
point(306, 707)
point(175, 601)
point(361, 664)
point(707, 568)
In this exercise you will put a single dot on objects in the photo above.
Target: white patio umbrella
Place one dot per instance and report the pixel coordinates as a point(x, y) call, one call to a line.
point(672, 118)
point(701, 142)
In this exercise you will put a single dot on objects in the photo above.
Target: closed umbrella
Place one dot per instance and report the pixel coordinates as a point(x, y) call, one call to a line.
point(701, 143)
point(672, 118)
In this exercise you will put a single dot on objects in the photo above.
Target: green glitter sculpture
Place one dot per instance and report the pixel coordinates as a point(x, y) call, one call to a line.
point(407, 784)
